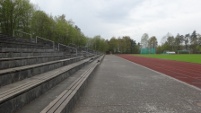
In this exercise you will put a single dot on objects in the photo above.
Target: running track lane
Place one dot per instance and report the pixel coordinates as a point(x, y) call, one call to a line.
point(186, 72)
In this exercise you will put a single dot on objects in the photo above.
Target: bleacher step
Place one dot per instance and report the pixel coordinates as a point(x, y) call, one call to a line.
point(15, 74)
point(22, 61)
point(67, 99)
point(25, 50)
point(40, 103)
point(25, 54)
point(19, 44)
point(13, 98)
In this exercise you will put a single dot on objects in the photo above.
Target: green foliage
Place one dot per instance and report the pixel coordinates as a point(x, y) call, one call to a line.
point(6, 14)
point(152, 42)
point(178, 41)
point(20, 15)
point(113, 45)
point(145, 40)
point(15, 15)
point(193, 58)
point(97, 43)
point(186, 42)
point(148, 45)
point(123, 45)
point(62, 30)
point(41, 24)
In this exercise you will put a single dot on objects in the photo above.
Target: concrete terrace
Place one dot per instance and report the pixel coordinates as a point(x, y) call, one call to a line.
point(120, 86)
point(42, 76)
point(38, 77)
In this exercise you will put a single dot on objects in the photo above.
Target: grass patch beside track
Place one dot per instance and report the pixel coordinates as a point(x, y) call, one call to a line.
point(193, 58)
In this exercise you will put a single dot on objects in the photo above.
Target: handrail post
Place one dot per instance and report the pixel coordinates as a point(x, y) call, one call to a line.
point(36, 39)
point(76, 52)
point(58, 46)
point(53, 45)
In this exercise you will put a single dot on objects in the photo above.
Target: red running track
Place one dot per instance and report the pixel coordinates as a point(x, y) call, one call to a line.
point(186, 72)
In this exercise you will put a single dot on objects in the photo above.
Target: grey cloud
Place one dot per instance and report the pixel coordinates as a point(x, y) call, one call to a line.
point(128, 17)
point(116, 10)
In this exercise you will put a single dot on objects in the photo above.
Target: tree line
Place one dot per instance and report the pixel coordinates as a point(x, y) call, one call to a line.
point(124, 45)
point(188, 43)
point(21, 16)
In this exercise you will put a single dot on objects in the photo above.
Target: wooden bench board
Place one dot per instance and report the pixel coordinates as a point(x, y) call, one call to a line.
point(63, 99)
point(35, 81)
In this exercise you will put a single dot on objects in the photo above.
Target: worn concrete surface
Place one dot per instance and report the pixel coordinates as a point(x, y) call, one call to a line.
point(119, 86)
point(37, 105)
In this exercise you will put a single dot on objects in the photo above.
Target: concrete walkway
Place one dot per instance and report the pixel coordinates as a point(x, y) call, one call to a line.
point(120, 86)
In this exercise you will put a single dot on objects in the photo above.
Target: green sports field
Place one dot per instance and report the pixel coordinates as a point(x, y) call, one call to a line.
point(193, 58)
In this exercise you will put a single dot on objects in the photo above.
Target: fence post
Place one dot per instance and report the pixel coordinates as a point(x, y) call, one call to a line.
point(53, 45)
point(36, 39)
point(58, 46)
point(76, 52)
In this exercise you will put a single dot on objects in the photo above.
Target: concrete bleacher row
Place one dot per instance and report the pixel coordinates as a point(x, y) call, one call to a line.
point(12, 42)
point(28, 70)
point(20, 61)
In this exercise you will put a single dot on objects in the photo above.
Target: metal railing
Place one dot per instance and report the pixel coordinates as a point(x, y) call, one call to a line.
point(59, 44)
point(46, 40)
point(22, 32)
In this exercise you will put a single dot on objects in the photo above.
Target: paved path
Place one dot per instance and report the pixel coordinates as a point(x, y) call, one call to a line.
point(120, 86)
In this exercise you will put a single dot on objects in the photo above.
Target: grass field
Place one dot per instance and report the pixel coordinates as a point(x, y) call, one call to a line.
point(193, 58)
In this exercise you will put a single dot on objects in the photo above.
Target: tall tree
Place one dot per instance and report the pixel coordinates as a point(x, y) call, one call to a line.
point(199, 43)
point(178, 41)
point(186, 40)
point(199, 39)
point(23, 12)
point(7, 10)
point(194, 42)
point(135, 47)
point(152, 43)
point(99, 44)
point(193, 38)
point(127, 44)
point(170, 42)
point(62, 29)
point(145, 40)
point(15, 15)
point(41, 24)
point(113, 45)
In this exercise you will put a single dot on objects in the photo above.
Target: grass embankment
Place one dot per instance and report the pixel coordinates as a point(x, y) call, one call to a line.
point(193, 58)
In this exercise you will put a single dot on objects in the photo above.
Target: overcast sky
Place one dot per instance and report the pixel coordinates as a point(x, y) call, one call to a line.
point(132, 18)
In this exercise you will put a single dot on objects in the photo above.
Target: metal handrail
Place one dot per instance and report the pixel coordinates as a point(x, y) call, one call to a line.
point(67, 47)
point(53, 43)
point(22, 33)
point(73, 45)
